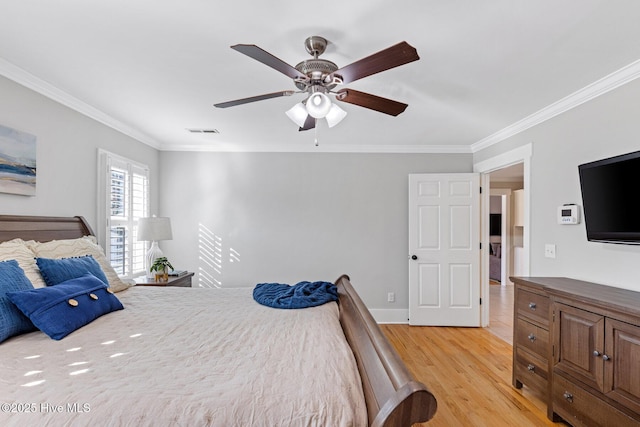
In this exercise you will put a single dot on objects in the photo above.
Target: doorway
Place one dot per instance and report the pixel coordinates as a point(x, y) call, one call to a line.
point(499, 235)
point(505, 246)
point(497, 169)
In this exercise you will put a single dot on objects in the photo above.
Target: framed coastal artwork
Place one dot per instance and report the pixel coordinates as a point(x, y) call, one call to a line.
point(17, 162)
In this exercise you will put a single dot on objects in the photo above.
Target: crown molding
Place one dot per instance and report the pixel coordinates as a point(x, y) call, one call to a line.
point(600, 87)
point(42, 87)
point(322, 148)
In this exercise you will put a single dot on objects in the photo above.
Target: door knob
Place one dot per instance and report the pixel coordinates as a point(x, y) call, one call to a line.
point(414, 257)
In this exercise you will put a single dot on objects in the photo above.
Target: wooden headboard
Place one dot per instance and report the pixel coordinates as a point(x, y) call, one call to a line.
point(43, 228)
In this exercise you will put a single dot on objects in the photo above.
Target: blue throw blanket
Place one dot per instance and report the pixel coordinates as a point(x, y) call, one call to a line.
point(300, 295)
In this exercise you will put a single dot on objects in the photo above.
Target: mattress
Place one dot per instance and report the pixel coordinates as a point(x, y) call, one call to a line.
point(186, 357)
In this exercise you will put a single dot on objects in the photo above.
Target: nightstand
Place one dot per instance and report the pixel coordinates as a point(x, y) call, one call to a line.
point(183, 281)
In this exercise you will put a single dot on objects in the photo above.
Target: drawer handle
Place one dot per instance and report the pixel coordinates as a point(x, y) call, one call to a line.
point(596, 353)
point(605, 357)
point(531, 337)
point(531, 368)
point(532, 305)
point(568, 396)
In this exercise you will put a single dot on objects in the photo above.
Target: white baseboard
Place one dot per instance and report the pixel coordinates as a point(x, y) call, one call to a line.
point(390, 316)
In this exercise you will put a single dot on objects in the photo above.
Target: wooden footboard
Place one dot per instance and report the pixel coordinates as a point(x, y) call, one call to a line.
point(393, 397)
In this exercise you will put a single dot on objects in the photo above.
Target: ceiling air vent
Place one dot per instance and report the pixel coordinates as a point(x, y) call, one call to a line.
point(203, 130)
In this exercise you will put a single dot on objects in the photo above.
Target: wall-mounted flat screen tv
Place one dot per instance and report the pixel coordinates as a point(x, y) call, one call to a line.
point(495, 224)
point(611, 199)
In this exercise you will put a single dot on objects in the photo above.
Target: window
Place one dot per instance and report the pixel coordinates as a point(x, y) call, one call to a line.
point(124, 185)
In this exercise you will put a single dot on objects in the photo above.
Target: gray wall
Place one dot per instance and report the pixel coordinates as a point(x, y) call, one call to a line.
point(603, 127)
point(243, 218)
point(66, 154)
point(296, 217)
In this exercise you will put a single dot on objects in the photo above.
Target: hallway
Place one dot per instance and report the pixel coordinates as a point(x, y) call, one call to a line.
point(501, 312)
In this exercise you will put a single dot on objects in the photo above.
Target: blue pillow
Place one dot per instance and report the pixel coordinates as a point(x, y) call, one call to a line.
point(12, 321)
point(56, 271)
point(61, 309)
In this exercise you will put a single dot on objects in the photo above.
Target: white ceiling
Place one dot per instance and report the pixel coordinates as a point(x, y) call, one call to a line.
point(510, 174)
point(152, 69)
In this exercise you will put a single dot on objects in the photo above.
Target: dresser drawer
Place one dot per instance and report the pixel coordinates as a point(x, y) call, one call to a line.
point(531, 370)
point(532, 337)
point(581, 408)
point(533, 306)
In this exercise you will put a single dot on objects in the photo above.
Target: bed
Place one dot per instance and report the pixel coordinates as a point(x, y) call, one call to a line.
point(161, 361)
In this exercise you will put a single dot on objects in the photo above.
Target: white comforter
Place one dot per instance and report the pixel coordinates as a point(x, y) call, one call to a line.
point(186, 357)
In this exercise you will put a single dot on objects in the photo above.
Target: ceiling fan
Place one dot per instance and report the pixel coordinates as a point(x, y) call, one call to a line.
point(320, 77)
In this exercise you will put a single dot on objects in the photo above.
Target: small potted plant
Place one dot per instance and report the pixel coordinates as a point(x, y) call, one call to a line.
point(161, 266)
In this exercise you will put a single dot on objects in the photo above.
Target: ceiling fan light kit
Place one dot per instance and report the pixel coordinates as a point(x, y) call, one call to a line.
point(318, 105)
point(298, 114)
point(318, 78)
point(335, 115)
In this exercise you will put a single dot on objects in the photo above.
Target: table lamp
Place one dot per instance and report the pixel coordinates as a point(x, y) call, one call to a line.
point(153, 229)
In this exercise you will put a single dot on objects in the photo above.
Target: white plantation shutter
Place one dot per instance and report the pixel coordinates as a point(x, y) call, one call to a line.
point(117, 250)
point(139, 209)
point(126, 191)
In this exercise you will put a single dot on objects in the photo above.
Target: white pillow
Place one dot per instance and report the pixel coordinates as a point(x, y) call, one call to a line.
point(19, 250)
point(82, 246)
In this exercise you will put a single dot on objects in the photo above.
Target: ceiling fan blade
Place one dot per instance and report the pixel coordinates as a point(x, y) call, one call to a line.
point(394, 56)
point(266, 58)
point(254, 99)
point(373, 102)
point(310, 123)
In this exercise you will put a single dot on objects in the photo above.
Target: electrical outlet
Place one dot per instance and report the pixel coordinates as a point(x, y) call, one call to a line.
point(550, 250)
point(391, 297)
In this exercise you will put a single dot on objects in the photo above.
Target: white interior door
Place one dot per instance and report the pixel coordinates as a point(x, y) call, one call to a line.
point(444, 249)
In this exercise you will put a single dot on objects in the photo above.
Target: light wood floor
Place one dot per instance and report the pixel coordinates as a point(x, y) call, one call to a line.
point(469, 372)
point(501, 312)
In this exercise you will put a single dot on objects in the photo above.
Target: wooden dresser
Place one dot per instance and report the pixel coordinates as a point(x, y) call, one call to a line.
point(531, 338)
point(577, 344)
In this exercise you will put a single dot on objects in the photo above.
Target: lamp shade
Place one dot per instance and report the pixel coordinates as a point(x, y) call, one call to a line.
point(335, 115)
point(298, 114)
point(154, 229)
point(318, 105)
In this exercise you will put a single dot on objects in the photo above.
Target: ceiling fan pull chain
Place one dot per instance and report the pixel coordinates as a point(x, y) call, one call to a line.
point(315, 136)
